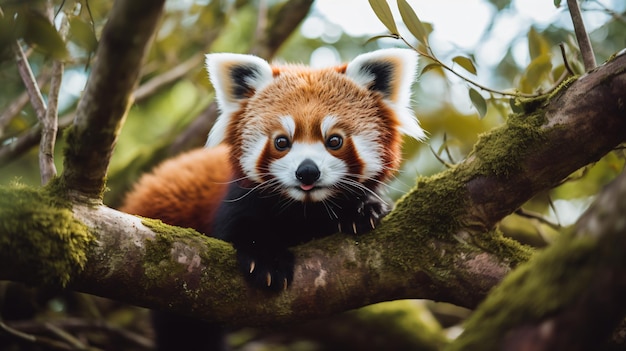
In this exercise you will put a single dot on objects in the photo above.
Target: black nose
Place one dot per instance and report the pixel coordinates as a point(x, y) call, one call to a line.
point(307, 172)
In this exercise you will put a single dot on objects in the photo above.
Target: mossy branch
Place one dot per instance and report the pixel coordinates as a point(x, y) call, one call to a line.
point(437, 244)
point(548, 303)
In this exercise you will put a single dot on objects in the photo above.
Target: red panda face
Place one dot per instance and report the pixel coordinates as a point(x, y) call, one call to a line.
point(310, 134)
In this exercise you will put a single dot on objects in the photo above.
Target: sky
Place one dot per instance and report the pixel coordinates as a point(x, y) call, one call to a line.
point(458, 24)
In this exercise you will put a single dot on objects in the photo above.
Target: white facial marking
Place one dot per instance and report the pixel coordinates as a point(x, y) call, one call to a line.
point(327, 123)
point(368, 150)
point(331, 170)
point(289, 124)
point(251, 154)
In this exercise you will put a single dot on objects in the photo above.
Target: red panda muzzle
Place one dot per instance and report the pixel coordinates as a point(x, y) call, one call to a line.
point(307, 173)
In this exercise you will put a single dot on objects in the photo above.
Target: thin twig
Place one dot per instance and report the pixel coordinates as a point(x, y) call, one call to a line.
point(18, 104)
point(80, 325)
point(553, 207)
point(447, 149)
point(14, 149)
point(449, 69)
point(50, 127)
point(50, 122)
point(534, 215)
point(261, 21)
point(154, 84)
point(616, 16)
point(23, 67)
point(75, 343)
point(46, 342)
point(443, 162)
point(565, 61)
point(584, 43)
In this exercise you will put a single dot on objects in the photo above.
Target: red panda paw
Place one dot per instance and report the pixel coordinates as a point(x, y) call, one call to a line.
point(366, 217)
point(273, 271)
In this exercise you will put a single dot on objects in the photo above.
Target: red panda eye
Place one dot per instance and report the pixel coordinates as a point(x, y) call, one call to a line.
point(281, 143)
point(334, 142)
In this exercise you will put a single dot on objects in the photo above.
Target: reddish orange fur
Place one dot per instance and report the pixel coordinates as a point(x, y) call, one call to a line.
point(184, 191)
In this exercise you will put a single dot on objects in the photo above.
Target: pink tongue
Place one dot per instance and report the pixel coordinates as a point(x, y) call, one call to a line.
point(306, 187)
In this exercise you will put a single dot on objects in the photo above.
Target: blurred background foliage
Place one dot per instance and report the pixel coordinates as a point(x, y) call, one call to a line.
point(173, 112)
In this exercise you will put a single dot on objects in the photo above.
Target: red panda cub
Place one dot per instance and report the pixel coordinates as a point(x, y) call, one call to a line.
point(296, 154)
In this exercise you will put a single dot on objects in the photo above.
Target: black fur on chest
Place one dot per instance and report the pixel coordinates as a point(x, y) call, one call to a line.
point(263, 225)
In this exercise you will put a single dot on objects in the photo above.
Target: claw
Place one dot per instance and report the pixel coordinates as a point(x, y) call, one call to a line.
point(285, 284)
point(372, 222)
point(269, 279)
point(339, 227)
point(354, 227)
point(252, 265)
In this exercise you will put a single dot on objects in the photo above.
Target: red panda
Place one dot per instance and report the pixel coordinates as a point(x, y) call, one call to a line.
point(296, 154)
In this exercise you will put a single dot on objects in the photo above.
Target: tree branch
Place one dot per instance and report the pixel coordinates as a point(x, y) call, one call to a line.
point(34, 94)
point(50, 121)
point(108, 95)
point(586, 50)
point(282, 24)
point(436, 244)
point(548, 303)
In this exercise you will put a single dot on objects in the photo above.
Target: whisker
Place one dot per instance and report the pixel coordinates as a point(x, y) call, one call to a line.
point(384, 184)
point(250, 190)
point(363, 188)
point(329, 209)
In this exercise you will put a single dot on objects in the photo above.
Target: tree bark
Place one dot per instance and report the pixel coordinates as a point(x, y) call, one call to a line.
point(108, 95)
point(569, 297)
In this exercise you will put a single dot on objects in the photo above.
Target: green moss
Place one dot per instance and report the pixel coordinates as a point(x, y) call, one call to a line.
point(495, 242)
point(432, 209)
point(563, 86)
point(537, 289)
point(531, 104)
point(40, 237)
point(502, 150)
point(74, 154)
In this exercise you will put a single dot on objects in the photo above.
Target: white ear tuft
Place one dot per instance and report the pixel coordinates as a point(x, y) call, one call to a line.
point(235, 77)
point(390, 72)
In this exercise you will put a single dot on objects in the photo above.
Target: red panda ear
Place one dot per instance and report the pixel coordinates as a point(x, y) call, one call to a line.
point(390, 72)
point(235, 77)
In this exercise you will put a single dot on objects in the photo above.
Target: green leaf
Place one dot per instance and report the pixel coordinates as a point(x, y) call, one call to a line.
point(430, 66)
point(537, 72)
point(82, 34)
point(516, 107)
point(557, 3)
point(538, 45)
point(466, 63)
point(393, 36)
point(383, 12)
point(412, 22)
point(39, 32)
point(479, 102)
